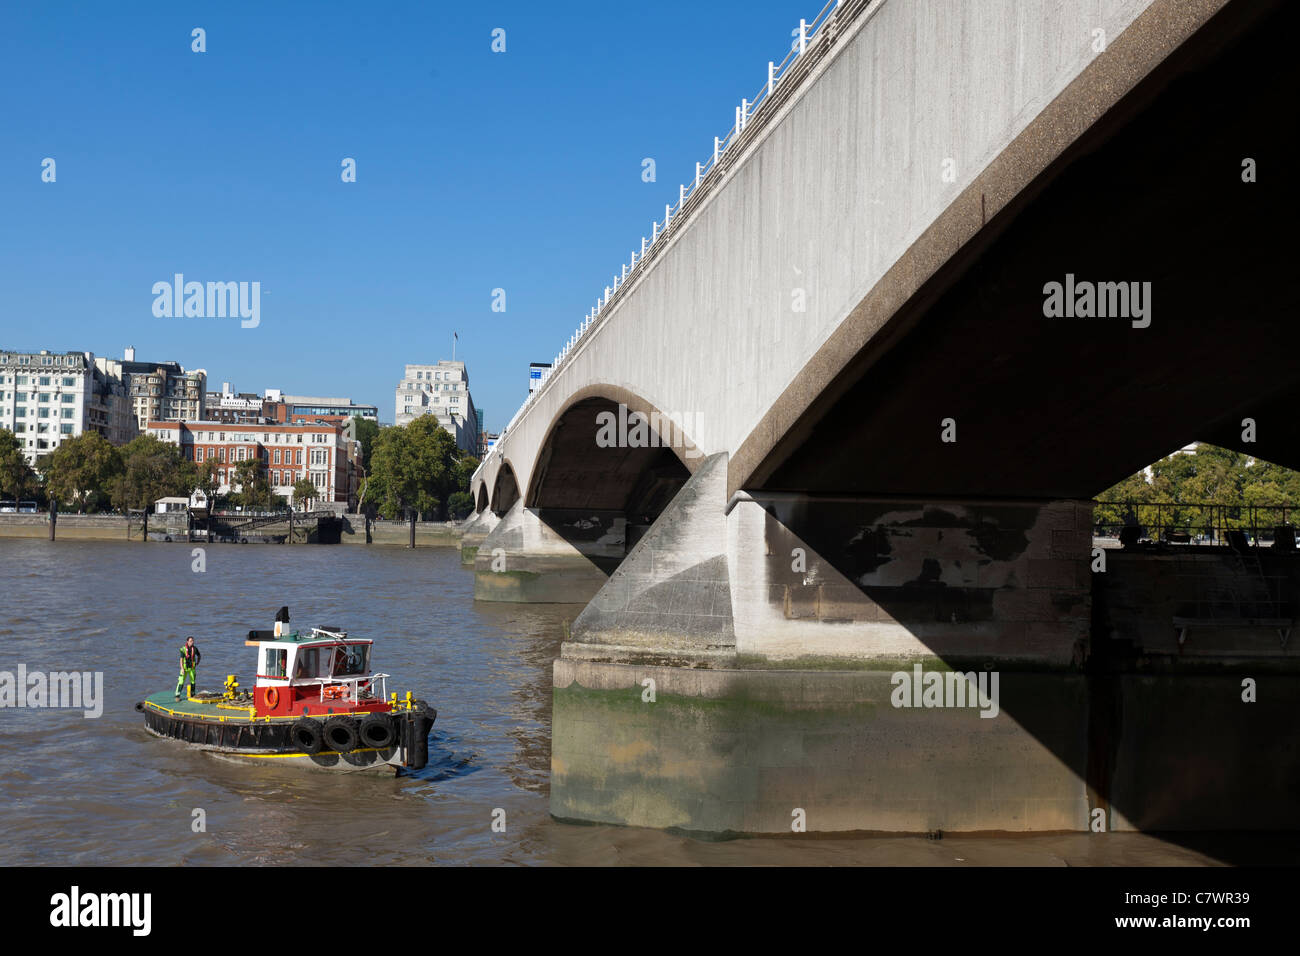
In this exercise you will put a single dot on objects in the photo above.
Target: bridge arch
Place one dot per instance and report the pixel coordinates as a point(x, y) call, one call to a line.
point(505, 490)
point(609, 449)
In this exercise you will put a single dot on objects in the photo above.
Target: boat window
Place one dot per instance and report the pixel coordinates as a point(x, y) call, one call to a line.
point(310, 664)
point(273, 665)
point(351, 659)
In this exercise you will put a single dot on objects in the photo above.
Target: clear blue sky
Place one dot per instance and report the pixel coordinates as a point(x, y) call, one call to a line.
point(475, 170)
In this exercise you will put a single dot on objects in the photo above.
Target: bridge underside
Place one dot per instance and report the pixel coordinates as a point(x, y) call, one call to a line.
point(1066, 407)
point(764, 641)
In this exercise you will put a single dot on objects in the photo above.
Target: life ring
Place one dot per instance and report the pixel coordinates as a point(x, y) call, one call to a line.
point(272, 698)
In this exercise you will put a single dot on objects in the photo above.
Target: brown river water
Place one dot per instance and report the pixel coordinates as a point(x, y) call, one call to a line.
point(78, 791)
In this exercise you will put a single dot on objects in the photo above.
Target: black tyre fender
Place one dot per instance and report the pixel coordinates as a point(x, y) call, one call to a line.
point(306, 735)
point(341, 734)
point(140, 706)
point(378, 731)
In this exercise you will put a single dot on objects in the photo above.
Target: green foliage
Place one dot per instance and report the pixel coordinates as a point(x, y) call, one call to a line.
point(81, 470)
point(366, 433)
point(303, 491)
point(16, 476)
point(1209, 476)
point(459, 504)
point(254, 485)
point(151, 469)
point(416, 466)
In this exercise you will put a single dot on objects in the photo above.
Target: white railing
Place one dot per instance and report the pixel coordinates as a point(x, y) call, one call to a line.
point(811, 41)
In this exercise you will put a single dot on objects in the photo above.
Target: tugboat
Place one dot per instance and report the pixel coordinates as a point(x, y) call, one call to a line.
point(315, 703)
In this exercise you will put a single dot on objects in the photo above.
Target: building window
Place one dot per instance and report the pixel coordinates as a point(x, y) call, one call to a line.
point(277, 456)
point(297, 455)
point(66, 429)
point(241, 453)
point(69, 382)
point(222, 453)
point(67, 413)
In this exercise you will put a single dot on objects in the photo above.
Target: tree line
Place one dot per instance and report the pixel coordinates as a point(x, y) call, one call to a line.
point(416, 466)
point(1209, 475)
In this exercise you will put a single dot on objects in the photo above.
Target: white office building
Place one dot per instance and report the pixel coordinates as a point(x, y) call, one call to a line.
point(441, 390)
point(48, 397)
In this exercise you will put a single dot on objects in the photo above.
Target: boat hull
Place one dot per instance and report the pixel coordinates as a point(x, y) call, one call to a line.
point(202, 725)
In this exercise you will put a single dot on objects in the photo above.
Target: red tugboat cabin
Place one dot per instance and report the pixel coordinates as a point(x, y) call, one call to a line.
point(315, 675)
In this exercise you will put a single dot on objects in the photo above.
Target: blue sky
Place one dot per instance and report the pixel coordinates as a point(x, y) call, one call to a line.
point(475, 170)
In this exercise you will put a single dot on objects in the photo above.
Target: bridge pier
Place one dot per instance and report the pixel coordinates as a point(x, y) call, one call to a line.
point(474, 532)
point(907, 665)
point(548, 556)
point(735, 672)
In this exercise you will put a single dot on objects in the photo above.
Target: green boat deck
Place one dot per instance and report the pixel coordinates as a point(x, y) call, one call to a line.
point(167, 702)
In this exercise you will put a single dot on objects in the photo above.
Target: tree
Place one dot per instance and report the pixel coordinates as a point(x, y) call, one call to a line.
point(255, 489)
point(460, 504)
point(412, 466)
point(82, 470)
point(16, 476)
point(304, 491)
point(1202, 488)
point(366, 432)
point(207, 480)
point(151, 469)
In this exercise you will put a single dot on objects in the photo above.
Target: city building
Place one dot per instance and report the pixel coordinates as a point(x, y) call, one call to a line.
point(319, 452)
point(311, 408)
point(47, 397)
point(486, 442)
point(233, 407)
point(441, 390)
point(111, 411)
point(44, 397)
point(159, 391)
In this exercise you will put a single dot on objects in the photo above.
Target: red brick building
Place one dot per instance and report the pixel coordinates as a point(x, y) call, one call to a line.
point(318, 452)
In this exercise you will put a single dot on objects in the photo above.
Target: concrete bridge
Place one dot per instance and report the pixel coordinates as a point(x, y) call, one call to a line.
point(836, 422)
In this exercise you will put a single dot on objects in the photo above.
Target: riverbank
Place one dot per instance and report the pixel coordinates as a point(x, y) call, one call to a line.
point(72, 527)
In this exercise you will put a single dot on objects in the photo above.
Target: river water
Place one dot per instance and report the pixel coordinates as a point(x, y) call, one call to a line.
point(103, 792)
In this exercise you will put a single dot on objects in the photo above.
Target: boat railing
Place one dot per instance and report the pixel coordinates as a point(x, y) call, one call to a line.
point(355, 685)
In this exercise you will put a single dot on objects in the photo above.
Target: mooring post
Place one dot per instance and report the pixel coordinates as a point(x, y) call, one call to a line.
point(54, 517)
point(144, 533)
point(412, 544)
point(290, 540)
point(368, 538)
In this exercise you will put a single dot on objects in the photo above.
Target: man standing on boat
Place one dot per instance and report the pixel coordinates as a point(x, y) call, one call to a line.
point(190, 658)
